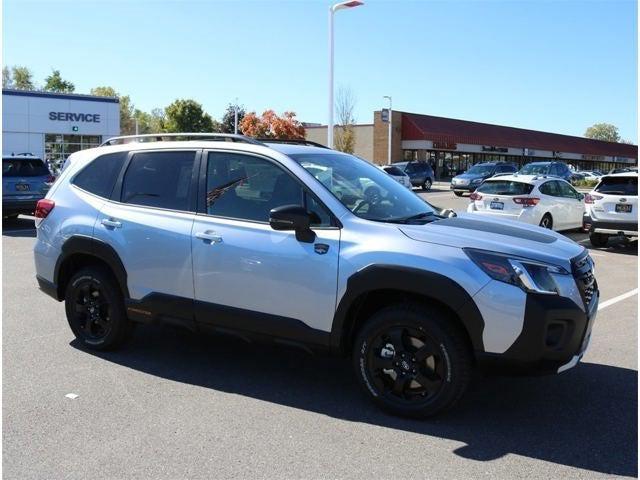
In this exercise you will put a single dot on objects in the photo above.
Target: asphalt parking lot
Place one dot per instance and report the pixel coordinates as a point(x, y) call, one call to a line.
point(179, 405)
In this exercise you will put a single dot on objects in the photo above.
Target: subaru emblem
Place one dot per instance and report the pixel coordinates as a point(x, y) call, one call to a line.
point(623, 200)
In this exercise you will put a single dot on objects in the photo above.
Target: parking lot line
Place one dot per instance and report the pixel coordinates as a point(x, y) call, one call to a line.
point(617, 299)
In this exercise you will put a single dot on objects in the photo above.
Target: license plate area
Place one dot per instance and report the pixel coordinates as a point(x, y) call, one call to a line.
point(496, 205)
point(22, 187)
point(623, 208)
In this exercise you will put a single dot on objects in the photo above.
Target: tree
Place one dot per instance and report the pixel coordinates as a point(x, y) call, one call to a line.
point(55, 83)
point(187, 116)
point(7, 79)
point(270, 125)
point(150, 122)
point(345, 136)
point(603, 131)
point(22, 78)
point(127, 122)
point(227, 125)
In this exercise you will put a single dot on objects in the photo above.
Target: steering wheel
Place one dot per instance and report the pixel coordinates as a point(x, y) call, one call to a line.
point(371, 197)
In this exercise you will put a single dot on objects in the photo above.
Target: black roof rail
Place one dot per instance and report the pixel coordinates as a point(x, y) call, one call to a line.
point(293, 141)
point(176, 137)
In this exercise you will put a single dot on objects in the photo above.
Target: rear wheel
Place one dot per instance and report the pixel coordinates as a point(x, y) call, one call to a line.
point(412, 360)
point(427, 184)
point(95, 309)
point(547, 221)
point(598, 240)
point(458, 194)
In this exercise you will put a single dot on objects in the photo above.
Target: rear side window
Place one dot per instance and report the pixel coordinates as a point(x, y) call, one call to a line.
point(14, 167)
point(99, 176)
point(394, 171)
point(550, 188)
point(618, 186)
point(505, 187)
point(159, 179)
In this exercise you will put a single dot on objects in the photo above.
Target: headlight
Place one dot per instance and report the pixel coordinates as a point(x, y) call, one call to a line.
point(529, 275)
point(476, 180)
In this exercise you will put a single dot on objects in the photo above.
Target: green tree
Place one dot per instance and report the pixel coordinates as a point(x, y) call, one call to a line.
point(55, 83)
point(7, 79)
point(22, 78)
point(603, 131)
point(228, 119)
point(150, 122)
point(127, 122)
point(185, 115)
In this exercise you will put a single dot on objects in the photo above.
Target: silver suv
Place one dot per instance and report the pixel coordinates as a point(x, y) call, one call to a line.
point(283, 242)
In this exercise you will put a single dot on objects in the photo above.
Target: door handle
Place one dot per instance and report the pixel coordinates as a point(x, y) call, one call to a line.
point(108, 222)
point(209, 236)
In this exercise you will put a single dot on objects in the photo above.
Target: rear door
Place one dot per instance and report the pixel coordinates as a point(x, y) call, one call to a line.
point(620, 199)
point(148, 222)
point(574, 205)
point(247, 275)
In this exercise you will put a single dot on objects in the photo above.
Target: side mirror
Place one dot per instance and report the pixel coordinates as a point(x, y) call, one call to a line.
point(293, 217)
point(580, 196)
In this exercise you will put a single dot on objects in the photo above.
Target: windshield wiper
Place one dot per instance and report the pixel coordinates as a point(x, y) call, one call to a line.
point(419, 216)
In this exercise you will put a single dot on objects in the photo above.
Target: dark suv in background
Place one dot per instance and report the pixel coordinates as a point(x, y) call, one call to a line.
point(552, 169)
point(25, 180)
point(473, 178)
point(420, 173)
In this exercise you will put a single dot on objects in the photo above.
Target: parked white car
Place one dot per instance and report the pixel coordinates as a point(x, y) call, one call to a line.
point(612, 208)
point(549, 202)
point(590, 175)
point(397, 174)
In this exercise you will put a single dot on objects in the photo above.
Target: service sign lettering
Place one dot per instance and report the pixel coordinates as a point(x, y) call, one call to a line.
point(74, 117)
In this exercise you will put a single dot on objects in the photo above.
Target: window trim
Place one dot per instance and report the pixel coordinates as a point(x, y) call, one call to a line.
point(108, 197)
point(201, 207)
point(116, 194)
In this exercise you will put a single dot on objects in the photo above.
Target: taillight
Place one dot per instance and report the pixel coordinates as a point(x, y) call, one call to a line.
point(475, 196)
point(43, 209)
point(591, 198)
point(526, 201)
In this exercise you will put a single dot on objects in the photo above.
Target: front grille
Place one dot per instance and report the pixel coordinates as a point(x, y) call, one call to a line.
point(582, 267)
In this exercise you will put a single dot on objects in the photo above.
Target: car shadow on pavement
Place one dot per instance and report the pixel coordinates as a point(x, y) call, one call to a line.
point(18, 227)
point(618, 246)
point(585, 418)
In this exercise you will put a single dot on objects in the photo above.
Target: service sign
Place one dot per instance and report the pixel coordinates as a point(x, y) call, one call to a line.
point(74, 117)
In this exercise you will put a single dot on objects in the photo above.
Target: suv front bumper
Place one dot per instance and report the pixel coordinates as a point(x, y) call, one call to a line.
point(611, 228)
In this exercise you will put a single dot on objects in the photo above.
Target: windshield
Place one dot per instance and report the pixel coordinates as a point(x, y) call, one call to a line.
point(481, 169)
point(20, 167)
point(618, 186)
point(364, 189)
point(534, 169)
point(504, 187)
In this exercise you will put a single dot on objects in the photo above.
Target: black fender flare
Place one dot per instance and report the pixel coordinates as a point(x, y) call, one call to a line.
point(82, 244)
point(411, 280)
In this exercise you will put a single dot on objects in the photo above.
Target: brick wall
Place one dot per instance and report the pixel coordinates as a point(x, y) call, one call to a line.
point(380, 138)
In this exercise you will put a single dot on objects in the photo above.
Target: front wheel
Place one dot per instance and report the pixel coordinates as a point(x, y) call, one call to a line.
point(547, 221)
point(412, 360)
point(427, 185)
point(598, 240)
point(95, 309)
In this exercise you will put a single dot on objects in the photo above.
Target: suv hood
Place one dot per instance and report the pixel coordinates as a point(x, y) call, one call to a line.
point(503, 236)
point(471, 176)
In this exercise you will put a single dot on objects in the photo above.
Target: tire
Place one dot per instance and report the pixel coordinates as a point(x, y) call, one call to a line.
point(598, 240)
point(426, 185)
point(547, 221)
point(458, 194)
point(406, 333)
point(92, 291)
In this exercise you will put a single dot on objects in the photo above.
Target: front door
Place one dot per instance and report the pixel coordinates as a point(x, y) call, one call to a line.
point(248, 276)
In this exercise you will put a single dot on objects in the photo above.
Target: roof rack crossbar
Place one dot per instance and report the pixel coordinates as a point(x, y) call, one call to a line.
point(292, 141)
point(164, 137)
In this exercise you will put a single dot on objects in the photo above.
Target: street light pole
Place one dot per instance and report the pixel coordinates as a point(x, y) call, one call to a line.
point(235, 117)
point(332, 11)
point(390, 125)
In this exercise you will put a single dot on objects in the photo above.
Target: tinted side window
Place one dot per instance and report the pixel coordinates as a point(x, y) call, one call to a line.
point(550, 188)
point(567, 190)
point(159, 179)
point(394, 171)
point(247, 188)
point(99, 176)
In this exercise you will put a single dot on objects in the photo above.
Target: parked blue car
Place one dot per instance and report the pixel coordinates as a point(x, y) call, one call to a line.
point(25, 180)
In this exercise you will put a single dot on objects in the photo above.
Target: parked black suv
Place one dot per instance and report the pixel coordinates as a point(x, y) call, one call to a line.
point(552, 169)
point(473, 178)
point(420, 173)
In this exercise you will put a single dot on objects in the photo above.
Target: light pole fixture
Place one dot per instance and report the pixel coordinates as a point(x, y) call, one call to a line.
point(390, 125)
point(332, 10)
point(235, 117)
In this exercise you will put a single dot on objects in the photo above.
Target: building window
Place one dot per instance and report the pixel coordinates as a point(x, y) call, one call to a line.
point(58, 147)
point(410, 155)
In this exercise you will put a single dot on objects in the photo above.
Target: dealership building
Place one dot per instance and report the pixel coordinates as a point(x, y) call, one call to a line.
point(452, 145)
point(53, 125)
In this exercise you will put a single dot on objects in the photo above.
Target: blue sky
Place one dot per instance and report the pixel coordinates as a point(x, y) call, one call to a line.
point(550, 65)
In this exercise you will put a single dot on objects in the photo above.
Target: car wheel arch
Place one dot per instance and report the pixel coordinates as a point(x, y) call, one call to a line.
point(388, 283)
